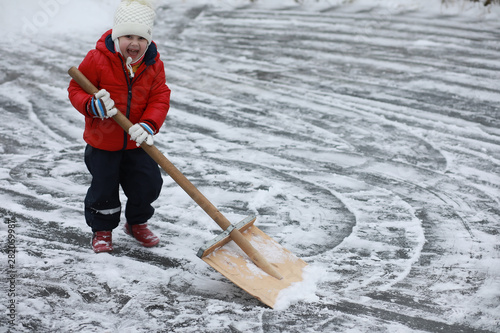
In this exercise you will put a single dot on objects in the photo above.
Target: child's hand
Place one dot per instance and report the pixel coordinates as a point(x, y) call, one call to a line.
point(140, 132)
point(102, 105)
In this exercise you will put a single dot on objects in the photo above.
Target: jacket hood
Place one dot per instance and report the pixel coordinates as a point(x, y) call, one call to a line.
point(106, 45)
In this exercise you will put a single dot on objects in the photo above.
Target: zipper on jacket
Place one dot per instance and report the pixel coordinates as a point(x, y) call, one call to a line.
point(129, 102)
point(130, 82)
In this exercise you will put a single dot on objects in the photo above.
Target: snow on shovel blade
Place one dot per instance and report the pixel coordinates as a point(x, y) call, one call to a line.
point(228, 259)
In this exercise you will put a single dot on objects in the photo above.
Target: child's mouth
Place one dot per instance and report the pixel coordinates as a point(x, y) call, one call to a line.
point(133, 53)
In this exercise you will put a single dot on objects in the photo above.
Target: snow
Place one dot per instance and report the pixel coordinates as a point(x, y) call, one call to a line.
point(363, 134)
point(303, 291)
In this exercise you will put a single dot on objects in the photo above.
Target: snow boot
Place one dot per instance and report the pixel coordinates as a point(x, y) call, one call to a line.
point(142, 234)
point(101, 241)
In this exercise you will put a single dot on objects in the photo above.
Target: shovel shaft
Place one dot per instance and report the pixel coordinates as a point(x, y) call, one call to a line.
point(184, 183)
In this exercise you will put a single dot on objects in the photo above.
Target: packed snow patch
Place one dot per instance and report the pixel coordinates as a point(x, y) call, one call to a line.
point(35, 18)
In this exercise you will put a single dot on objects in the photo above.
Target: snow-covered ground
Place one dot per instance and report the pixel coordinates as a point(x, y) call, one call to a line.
point(365, 135)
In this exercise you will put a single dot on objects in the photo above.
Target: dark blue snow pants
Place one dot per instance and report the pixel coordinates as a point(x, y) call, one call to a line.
point(136, 172)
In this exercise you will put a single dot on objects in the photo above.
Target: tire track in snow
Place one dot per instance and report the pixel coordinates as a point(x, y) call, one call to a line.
point(421, 59)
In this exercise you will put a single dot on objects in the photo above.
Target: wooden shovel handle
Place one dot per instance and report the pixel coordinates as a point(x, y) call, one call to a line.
point(184, 183)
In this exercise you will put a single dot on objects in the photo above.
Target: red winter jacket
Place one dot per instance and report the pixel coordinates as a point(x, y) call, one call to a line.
point(145, 98)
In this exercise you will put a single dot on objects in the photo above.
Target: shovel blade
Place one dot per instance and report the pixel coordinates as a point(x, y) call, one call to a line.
point(235, 265)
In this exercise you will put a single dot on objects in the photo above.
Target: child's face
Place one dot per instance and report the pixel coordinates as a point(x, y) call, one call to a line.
point(133, 46)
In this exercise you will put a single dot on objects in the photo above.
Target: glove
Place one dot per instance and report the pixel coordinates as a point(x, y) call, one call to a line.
point(102, 106)
point(141, 132)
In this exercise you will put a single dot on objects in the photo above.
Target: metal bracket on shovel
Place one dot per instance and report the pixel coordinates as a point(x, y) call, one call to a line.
point(246, 266)
point(224, 237)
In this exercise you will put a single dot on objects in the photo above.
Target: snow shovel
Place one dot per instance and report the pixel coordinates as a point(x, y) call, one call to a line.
point(244, 264)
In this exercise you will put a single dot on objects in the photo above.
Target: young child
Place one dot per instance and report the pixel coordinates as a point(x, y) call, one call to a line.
point(126, 67)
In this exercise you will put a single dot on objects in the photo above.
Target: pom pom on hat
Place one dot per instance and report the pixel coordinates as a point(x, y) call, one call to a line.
point(134, 17)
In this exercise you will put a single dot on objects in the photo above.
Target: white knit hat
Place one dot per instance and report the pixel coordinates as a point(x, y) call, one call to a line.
point(134, 17)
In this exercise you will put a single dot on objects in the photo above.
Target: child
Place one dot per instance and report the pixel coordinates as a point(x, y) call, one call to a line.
point(126, 67)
